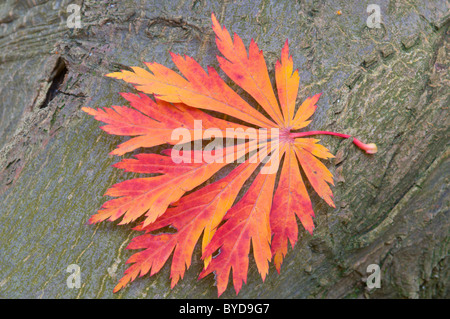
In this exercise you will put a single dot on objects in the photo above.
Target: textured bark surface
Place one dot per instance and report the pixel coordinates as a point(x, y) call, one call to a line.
point(387, 85)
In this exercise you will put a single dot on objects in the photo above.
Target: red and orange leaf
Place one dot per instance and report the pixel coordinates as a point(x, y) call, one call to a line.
point(317, 174)
point(265, 220)
point(305, 111)
point(152, 122)
point(246, 221)
point(287, 84)
point(153, 195)
point(290, 199)
point(201, 90)
point(248, 70)
point(310, 145)
point(200, 211)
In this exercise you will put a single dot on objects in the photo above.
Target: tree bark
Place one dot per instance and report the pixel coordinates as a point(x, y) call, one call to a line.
point(386, 85)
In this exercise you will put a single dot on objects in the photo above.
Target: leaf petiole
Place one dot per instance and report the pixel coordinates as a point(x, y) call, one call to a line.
point(370, 148)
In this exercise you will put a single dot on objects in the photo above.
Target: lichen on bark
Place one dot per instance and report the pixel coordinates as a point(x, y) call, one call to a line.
point(387, 85)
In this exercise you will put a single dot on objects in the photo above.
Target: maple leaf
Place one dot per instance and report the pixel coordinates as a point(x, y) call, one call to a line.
point(264, 217)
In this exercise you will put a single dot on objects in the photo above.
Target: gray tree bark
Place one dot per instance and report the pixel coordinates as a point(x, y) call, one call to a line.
point(386, 85)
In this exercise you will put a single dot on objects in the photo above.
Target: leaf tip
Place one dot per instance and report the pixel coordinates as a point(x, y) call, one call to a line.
point(116, 75)
point(285, 49)
point(173, 55)
point(94, 219)
point(215, 23)
point(117, 152)
point(89, 111)
point(119, 286)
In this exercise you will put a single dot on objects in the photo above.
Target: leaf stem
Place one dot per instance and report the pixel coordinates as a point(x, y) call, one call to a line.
point(368, 148)
point(303, 134)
